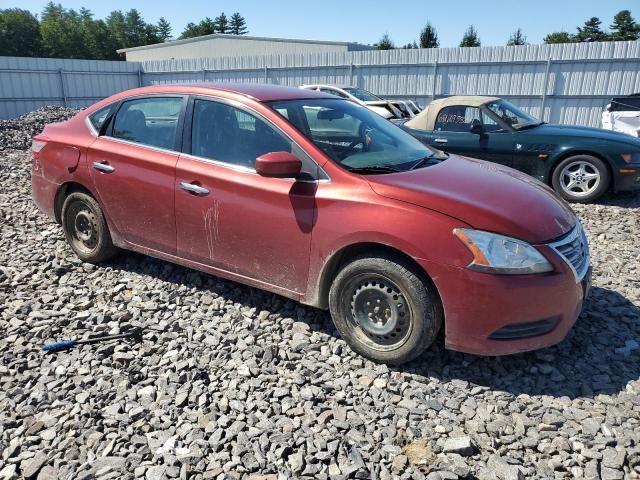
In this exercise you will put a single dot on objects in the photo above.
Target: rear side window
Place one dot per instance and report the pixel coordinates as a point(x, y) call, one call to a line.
point(227, 134)
point(98, 118)
point(149, 121)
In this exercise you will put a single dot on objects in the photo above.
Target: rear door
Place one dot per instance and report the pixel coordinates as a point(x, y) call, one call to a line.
point(133, 169)
point(452, 134)
point(231, 218)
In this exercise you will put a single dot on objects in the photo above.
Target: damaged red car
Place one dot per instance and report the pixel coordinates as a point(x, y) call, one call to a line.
point(320, 200)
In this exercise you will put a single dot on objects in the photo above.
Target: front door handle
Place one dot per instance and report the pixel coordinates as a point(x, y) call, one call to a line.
point(441, 140)
point(103, 167)
point(193, 188)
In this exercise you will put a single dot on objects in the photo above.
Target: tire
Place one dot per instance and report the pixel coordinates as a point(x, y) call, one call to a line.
point(411, 314)
point(85, 228)
point(590, 173)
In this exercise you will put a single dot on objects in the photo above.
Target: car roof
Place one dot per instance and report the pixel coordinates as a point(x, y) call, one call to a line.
point(259, 92)
point(426, 119)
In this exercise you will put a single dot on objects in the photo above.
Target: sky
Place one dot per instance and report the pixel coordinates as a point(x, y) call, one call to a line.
point(366, 21)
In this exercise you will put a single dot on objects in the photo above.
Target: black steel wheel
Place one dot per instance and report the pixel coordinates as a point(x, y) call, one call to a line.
point(385, 309)
point(85, 228)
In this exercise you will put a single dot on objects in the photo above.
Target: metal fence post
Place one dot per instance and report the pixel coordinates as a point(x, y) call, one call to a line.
point(544, 90)
point(435, 80)
point(204, 74)
point(63, 87)
point(266, 74)
point(351, 74)
point(139, 78)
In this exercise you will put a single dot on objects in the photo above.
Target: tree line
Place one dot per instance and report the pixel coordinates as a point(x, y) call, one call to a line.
point(623, 27)
point(67, 33)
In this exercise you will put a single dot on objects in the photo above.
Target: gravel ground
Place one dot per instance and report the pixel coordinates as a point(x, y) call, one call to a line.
point(232, 382)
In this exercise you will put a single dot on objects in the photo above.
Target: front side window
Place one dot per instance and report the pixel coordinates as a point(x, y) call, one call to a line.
point(457, 118)
point(149, 121)
point(227, 134)
point(353, 136)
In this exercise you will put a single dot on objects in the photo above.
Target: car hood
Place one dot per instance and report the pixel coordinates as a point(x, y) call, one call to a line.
point(587, 132)
point(482, 194)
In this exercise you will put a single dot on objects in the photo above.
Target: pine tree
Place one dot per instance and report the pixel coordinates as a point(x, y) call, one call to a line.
point(385, 43)
point(238, 25)
point(429, 37)
point(559, 37)
point(624, 27)
point(470, 38)
point(517, 38)
point(591, 31)
point(164, 29)
point(221, 23)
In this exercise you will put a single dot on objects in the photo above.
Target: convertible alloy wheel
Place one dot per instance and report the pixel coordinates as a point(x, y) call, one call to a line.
point(579, 178)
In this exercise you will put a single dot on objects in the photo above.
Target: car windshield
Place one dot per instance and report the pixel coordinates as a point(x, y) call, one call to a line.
point(355, 137)
point(362, 94)
point(512, 115)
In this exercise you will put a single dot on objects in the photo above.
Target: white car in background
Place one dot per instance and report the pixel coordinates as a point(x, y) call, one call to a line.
point(374, 103)
point(623, 115)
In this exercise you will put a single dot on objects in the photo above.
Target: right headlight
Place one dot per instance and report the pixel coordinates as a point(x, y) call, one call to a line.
point(495, 253)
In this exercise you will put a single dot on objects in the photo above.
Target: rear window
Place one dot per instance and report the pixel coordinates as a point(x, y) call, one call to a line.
point(625, 104)
point(98, 118)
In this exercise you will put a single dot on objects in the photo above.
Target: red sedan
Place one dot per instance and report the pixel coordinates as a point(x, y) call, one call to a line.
point(318, 199)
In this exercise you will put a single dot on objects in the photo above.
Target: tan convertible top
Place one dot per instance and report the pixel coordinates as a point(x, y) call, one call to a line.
point(426, 119)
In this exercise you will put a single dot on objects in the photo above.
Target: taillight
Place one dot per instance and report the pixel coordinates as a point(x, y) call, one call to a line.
point(37, 145)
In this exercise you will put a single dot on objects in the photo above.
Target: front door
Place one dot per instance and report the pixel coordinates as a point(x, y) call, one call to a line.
point(452, 134)
point(231, 218)
point(133, 169)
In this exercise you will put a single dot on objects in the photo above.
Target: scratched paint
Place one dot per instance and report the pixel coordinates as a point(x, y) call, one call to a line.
point(212, 227)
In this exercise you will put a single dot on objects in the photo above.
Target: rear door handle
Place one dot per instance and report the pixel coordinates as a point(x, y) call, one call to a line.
point(103, 167)
point(193, 188)
point(441, 140)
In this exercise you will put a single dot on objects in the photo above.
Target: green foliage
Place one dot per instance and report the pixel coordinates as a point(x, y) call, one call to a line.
point(238, 24)
point(163, 29)
point(19, 33)
point(470, 38)
point(221, 23)
point(624, 27)
point(559, 37)
point(591, 31)
point(385, 43)
point(429, 37)
point(517, 38)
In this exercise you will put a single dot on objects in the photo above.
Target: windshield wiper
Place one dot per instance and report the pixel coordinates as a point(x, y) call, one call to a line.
point(433, 159)
point(373, 169)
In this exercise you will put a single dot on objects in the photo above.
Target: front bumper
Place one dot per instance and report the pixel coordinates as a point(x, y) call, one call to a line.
point(487, 314)
point(627, 178)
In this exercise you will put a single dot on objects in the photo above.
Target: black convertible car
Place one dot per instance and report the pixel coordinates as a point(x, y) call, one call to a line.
point(580, 163)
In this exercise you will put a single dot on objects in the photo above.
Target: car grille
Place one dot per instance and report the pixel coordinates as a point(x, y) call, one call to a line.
point(574, 249)
point(525, 330)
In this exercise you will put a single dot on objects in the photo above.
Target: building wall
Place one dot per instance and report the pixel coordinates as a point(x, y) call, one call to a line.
point(229, 47)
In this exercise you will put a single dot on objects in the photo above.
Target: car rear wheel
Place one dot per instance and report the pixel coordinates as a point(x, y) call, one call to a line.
point(385, 309)
point(85, 228)
point(581, 178)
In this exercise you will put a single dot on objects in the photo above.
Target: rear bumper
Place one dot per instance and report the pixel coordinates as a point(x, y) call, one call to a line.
point(43, 191)
point(488, 314)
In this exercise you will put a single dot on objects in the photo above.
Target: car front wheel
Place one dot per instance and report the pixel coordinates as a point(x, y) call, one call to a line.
point(85, 228)
point(581, 178)
point(385, 309)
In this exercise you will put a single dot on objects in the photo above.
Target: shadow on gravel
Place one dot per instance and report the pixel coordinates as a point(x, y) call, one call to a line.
point(620, 199)
point(591, 360)
point(586, 363)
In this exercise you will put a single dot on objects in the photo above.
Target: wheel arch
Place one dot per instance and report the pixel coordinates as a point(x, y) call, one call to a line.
point(62, 193)
point(573, 153)
point(340, 258)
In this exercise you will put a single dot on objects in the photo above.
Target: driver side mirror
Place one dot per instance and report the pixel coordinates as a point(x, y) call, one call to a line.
point(278, 165)
point(476, 127)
